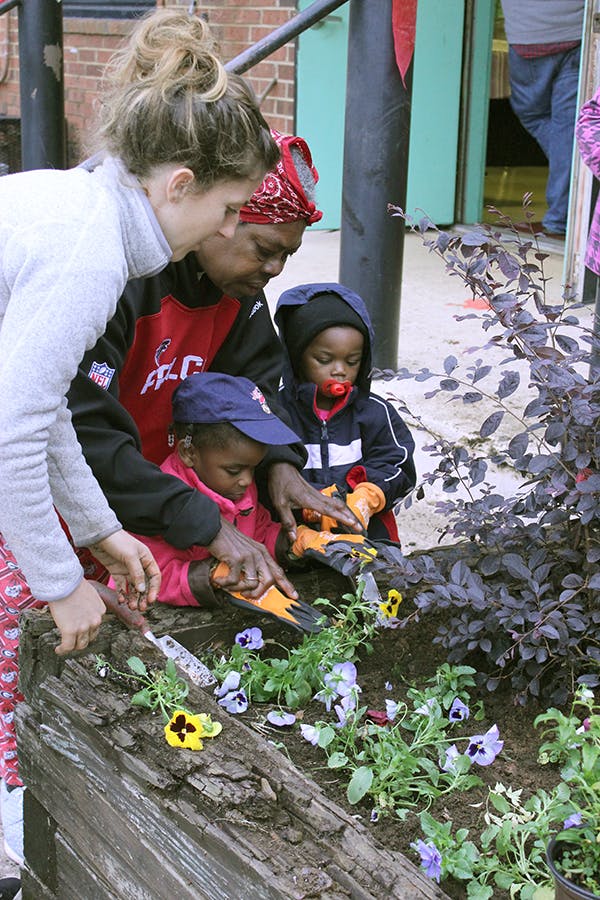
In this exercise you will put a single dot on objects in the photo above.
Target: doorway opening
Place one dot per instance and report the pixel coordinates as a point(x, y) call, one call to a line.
point(515, 163)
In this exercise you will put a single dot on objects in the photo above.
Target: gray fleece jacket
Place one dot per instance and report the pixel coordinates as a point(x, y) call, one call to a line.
point(69, 242)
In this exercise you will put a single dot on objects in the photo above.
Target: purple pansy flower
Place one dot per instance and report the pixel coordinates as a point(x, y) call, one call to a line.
point(388, 686)
point(451, 755)
point(250, 639)
point(427, 708)
point(346, 705)
point(484, 748)
point(431, 858)
point(573, 821)
point(326, 696)
point(234, 702)
point(458, 711)
point(391, 709)
point(280, 718)
point(310, 734)
point(231, 683)
point(341, 679)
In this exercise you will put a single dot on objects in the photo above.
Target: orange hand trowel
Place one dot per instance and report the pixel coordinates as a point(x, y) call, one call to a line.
point(190, 665)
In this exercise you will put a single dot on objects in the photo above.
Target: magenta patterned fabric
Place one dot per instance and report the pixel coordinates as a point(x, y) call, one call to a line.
point(587, 133)
point(15, 597)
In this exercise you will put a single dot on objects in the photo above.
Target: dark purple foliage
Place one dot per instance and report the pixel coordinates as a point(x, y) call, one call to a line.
point(524, 584)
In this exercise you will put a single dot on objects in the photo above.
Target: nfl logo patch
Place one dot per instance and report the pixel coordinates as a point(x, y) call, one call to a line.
point(101, 374)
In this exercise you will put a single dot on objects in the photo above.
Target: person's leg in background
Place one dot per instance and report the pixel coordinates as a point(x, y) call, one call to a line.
point(531, 94)
point(544, 98)
point(15, 597)
point(562, 138)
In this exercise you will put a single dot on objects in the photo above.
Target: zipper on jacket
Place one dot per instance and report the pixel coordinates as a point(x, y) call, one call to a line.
point(324, 448)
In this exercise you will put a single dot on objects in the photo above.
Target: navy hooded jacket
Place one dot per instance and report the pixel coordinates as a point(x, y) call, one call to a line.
point(365, 432)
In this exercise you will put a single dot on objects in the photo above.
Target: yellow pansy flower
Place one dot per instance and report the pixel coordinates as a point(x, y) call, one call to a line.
point(389, 609)
point(184, 730)
point(187, 730)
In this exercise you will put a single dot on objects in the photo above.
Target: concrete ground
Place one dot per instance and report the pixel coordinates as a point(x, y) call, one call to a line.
point(428, 333)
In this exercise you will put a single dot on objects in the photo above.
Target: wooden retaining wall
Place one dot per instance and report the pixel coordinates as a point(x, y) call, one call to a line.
point(112, 812)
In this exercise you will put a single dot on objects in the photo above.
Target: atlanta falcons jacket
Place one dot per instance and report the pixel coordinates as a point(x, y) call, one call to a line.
point(165, 328)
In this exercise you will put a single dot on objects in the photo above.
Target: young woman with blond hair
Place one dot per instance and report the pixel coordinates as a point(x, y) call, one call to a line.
point(182, 147)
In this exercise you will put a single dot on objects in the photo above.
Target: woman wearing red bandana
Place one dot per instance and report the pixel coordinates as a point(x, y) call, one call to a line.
point(284, 194)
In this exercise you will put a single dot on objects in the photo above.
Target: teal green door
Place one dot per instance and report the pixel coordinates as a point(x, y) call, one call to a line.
point(433, 152)
point(435, 109)
point(320, 100)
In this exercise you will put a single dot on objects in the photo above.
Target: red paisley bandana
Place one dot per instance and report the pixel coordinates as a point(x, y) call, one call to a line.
point(281, 198)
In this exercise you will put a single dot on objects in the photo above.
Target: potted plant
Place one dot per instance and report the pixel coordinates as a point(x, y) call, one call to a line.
point(573, 741)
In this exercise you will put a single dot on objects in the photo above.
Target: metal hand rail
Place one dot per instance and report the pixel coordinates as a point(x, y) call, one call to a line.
point(263, 48)
point(7, 5)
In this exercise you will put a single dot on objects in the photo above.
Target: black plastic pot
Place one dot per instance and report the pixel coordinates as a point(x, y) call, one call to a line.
point(564, 889)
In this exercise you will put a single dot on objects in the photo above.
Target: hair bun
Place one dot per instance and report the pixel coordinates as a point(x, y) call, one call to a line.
point(173, 52)
point(169, 101)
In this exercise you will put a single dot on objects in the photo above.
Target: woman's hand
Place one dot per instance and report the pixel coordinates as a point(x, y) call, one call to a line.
point(288, 490)
point(77, 617)
point(252, 569)
point(131, 564)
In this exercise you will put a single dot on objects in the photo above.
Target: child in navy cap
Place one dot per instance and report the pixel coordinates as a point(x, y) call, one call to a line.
point(222, 426)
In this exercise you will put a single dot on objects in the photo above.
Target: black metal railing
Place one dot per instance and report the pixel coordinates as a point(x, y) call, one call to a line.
point(314, 13)
point(41, 83)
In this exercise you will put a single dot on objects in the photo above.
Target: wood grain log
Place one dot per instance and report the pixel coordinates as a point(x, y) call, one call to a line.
point(112, 812)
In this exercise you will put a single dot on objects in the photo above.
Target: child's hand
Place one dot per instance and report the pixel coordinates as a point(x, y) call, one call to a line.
point(288, 490)
point(131, 564)
point(365, 500)
point(77, 617)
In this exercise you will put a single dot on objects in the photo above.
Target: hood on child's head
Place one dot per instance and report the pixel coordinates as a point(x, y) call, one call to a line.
point(298, 327)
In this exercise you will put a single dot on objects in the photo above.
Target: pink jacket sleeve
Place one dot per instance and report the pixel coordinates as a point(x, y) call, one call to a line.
point(266, 531)
point(174, 565)
point(587, 131)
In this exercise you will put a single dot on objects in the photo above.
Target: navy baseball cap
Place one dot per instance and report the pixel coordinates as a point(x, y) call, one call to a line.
point(207, 398)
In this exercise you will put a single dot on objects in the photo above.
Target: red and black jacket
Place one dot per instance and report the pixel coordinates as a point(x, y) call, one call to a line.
point(165, 328)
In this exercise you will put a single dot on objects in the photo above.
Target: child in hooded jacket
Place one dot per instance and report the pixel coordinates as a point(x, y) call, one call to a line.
point(356, 440)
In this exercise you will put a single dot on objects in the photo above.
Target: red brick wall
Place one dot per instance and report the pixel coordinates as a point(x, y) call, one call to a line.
point(240, 23)
point(88, 44)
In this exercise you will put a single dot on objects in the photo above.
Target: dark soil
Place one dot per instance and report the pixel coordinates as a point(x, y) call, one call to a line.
point(405, 657)
point(408, 658)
